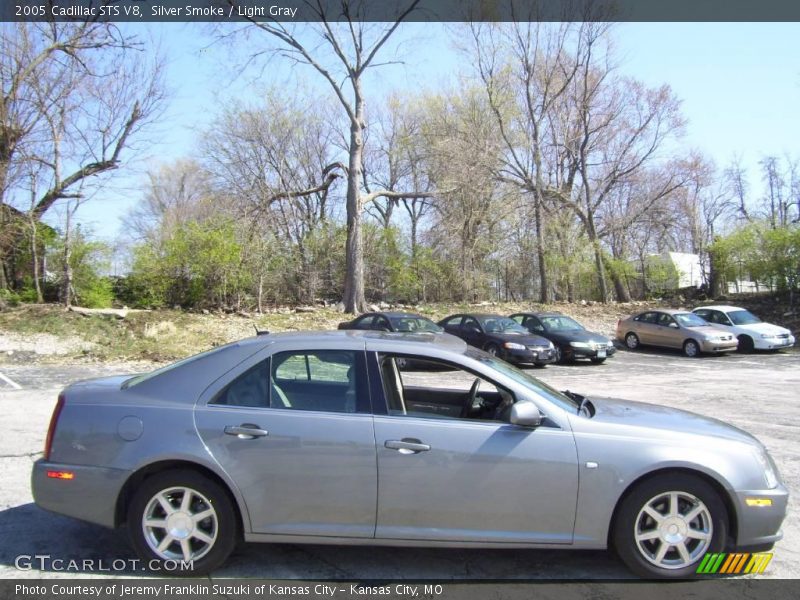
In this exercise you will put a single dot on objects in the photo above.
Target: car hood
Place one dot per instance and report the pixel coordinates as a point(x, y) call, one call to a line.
point(519, 338)
point(664, 421)
point(764, 328)
point(577, 335)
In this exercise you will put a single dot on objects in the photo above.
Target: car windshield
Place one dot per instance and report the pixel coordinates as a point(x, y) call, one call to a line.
point(527, 381)
point(690, 320)
point(415, 324)
point(743, 317)
point(501, 325)
point(561, 323)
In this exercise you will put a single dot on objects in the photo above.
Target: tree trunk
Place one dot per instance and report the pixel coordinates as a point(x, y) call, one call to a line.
point(354, 300)
point(598, 258)
point(621, 290)
point(67, 284)
point(544, 287)
point(35, 255)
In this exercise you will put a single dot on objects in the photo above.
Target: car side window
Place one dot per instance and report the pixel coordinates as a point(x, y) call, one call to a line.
point(665, 320)
point(649, 317)
point(320, 380)
point(704, 314)
point(534, 324)
point(381, 323)
point(519, 318)
point(471, 323)
point(364, 322)
point(431, 389)
point(249, 389)
point(720, 317)
point(453, 321)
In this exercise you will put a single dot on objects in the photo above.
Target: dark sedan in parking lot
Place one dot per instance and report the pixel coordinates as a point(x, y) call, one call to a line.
point(570, 338)
point(500, 336)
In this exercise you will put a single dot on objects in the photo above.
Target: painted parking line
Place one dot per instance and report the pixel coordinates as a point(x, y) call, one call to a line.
point(10, 382)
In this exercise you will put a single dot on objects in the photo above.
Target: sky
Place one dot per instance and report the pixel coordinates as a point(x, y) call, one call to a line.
point(739, 84)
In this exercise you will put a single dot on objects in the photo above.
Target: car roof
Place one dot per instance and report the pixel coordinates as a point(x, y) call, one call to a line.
point(722, 307)
point(669, 311)
point(393, 315)
point(353, 336)
point(483, 315)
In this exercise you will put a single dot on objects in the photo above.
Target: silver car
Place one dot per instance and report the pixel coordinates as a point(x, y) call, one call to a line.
point(285, 438)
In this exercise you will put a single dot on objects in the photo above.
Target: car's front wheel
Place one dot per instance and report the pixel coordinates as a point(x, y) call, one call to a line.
point(691, 349)
point(182, 523)
point(667, 524)
point(746, 344)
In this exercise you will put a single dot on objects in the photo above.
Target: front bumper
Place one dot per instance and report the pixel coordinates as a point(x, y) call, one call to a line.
point(773, 343)
point(760, 525)
point(531, 356)
point(727, 346)
point(595, 352)
point(90, 496)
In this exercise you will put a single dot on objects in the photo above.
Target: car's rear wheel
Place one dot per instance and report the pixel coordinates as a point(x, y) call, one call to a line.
point(691, 349)
point(182, 523)
point(667, 524)
point(493, 349)
point(746, 344)
point(632, 341)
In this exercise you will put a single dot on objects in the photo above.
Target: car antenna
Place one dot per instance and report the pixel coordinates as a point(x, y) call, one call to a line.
point(260, 331)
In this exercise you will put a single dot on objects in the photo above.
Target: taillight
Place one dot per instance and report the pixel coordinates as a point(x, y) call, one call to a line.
point(51, 431)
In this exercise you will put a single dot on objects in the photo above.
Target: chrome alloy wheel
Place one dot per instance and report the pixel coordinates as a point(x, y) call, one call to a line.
point(673, 530)
point(179, 523)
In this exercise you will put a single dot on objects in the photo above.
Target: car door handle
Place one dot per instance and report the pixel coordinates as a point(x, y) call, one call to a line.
point(246, 431)
point(407, 446)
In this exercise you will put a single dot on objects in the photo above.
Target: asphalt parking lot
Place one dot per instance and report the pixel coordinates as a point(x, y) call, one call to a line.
point(757, 392)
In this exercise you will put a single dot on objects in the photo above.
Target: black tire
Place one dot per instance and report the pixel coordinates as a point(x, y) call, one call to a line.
point(632, 341)
point(746, 344)
point(559, 354)
point(691, 493)
point(691, 349)
point(494, 350)
point(598, 361)
point(205, 495)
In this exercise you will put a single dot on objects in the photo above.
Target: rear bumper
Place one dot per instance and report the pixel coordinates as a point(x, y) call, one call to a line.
point(90, 496)
point(760, 525)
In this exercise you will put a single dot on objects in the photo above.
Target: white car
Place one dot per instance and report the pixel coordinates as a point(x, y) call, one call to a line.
point(752, 332)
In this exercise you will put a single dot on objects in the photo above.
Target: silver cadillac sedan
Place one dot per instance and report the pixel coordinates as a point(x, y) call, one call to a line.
point(286, 437)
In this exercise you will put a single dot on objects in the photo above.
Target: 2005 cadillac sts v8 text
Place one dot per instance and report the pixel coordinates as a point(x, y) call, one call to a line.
point(284, 438)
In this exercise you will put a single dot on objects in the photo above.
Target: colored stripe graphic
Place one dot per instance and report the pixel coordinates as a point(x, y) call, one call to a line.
point(733, 564)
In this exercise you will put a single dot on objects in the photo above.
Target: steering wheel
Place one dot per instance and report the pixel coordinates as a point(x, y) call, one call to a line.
point(470, 399)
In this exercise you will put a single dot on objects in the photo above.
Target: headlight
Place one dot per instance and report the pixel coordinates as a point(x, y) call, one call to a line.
point(580, 345)
point(766, 336)
point(769, 469)
point(610, 344)
point(513, 346)
point(551, 346)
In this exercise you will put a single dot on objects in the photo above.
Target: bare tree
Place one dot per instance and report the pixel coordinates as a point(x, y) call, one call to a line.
point(525, 69)
point(355, 46)
point(74, 96)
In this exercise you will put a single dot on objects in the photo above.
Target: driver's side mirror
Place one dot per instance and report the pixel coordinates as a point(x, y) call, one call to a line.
point(674, 325)
point(525, 414)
